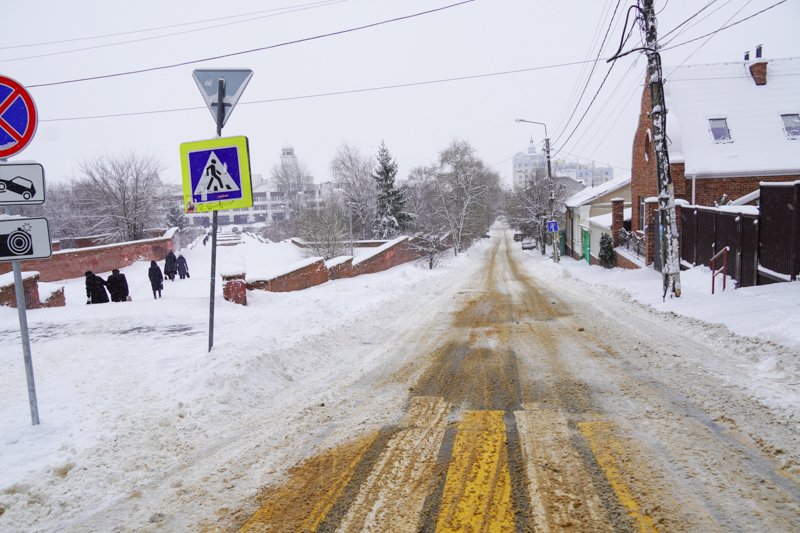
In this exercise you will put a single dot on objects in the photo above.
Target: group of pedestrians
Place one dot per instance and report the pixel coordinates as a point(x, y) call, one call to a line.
point(117, 283)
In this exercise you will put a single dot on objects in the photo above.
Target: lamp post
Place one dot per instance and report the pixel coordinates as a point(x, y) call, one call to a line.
point(550, 181)
point(349, 217)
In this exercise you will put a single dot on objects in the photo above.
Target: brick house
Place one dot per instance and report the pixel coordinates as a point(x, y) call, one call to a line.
point(730, 126)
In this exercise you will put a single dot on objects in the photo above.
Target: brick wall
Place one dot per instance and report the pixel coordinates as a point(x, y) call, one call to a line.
point(234, 289)
point(342, 270)
point(67, 264)
point(308, 276)
point(30, 286)
point(400, 253)
point(643, 161)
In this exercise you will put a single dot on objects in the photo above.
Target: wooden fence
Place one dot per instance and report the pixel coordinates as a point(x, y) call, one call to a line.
point(765, 247)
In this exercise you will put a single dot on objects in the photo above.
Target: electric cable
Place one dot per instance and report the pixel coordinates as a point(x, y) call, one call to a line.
point(259, 49)
point(156, 28)
point(120, 43)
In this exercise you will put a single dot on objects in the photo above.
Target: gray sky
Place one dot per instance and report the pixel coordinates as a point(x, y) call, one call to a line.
point(481, 37)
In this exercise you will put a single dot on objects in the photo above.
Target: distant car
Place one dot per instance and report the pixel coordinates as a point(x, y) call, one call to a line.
point(518, 237)
point(485, 236)
point(18, 185)
point(528, 244)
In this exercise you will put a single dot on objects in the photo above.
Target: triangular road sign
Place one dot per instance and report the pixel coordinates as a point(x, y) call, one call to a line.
point(235, 80)
point(215, 178)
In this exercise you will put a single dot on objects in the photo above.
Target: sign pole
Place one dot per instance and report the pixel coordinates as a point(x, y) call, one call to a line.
point(26, 342)
point(220, 119)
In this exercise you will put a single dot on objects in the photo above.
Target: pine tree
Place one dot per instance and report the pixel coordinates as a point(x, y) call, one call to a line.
point(608, 257)
point(390, 217)
point(176, 218)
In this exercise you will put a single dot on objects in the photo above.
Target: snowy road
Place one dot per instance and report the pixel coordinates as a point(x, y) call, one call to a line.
point(492, 393)
point(543, 409)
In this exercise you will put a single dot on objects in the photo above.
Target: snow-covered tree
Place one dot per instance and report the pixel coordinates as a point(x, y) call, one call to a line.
point(467, 192)
point(390, 217)
point(176, 218)
point(428, 229)
point(120, 196)
point(607, 255)
point(352, 173)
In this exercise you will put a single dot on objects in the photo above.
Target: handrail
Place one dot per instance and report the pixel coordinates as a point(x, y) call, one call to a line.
point(724, 269)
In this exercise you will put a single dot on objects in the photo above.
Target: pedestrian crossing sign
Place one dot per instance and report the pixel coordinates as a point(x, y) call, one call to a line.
point(216, 175)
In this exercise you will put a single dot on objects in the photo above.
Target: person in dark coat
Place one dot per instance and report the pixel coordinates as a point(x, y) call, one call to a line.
point(183, 267)
point(170, 266)
point(117, 286)
point(156, 279)
point(95, 289)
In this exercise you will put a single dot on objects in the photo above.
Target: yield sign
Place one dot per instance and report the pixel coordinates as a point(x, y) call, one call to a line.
point(234, 82)
point(17, 117)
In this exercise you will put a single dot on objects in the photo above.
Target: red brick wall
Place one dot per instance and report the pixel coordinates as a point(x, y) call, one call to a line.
point(73, 263)
point(314, 274)
point(709, 190)
point(342, 270)
point(617, 219)
point(400, 253)
point(624, 262)
point(30, 287)
point(234, 289)
point(643, 167)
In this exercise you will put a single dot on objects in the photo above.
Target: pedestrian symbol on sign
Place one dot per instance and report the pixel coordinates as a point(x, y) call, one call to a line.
point(215, 178)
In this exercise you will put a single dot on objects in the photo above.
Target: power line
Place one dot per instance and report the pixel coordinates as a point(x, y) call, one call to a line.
point(259, 49)
point(591, 72)
point(689, 19)
point(331, 93)
point(213, 27)
point(725, 27)
point(156, 28)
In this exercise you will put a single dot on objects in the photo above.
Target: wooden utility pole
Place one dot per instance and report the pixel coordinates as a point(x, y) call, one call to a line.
point(670, 250)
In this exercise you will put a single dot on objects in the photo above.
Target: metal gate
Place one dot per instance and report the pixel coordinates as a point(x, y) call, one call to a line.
point(586, 244)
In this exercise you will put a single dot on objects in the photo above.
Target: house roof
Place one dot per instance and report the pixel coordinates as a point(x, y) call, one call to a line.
point(606, 220)
point(589, 194)
point(696, 93)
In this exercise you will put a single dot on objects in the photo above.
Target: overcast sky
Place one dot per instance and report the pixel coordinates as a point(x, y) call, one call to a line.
point(480, 37)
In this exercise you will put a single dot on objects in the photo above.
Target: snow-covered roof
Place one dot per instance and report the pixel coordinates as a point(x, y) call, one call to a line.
point(606, 220)
point(591, 193)
point(759, 146)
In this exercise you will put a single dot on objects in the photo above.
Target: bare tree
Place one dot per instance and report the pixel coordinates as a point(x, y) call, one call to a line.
point(529, 208)
point(429, 230)
point(120, 196)
point(352, 172)
point(465, 188)
point(324, 228)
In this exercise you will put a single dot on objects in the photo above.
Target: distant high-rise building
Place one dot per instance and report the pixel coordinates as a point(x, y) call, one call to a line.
point(527, 166)
point(533, 164)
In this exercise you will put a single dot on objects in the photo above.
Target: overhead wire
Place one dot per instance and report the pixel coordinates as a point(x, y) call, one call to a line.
point(164, 36)
point(591, 72)
point(258, 49)
point(570, 103)
point(157, 28)
point(330, 93)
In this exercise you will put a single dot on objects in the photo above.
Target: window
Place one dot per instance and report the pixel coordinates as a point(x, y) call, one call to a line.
point(791, 125)
point(719, 130)
point(641, 213)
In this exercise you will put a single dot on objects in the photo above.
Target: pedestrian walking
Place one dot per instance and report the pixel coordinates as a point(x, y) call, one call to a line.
point(170, 266)
point(95, 289)
point(156, 279)
point(183, 267)
point(117, 285)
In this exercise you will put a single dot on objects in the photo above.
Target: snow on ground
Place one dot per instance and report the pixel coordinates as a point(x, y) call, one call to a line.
point(130, 400)
point(760, 325)
point(128, 392)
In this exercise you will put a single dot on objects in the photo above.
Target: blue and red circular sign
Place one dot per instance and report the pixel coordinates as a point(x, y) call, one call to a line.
point(18, 117)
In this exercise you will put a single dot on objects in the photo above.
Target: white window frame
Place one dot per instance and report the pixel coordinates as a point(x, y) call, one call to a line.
point(785, 131)
point(727, 126)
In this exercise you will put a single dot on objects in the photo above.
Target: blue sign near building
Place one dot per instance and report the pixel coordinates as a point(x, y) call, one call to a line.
point(552, 226)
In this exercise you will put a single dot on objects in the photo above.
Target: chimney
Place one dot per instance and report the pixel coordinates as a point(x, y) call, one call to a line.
point(759, 69)
point(747, 56)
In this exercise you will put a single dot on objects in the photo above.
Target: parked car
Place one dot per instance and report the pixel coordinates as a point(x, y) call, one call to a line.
point(18, 185)
point(518, 237)
point(528, 244)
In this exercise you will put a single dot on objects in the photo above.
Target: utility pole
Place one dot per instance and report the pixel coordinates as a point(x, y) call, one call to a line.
point(670, 251)
point(556, 257)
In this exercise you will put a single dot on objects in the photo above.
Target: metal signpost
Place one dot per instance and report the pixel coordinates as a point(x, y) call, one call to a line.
point(216, 173)
point(21, 184)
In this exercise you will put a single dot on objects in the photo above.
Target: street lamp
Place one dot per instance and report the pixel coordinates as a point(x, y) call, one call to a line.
point(550, 181)
point(350, 216)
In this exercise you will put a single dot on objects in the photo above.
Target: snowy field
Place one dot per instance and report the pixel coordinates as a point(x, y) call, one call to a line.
point(131, 401)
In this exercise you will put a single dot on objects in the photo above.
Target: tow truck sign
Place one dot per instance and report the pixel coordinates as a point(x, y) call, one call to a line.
point(21, 184)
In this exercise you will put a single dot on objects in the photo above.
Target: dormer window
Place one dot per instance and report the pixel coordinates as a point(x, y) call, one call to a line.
point(791, 125)
point(719, 130)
